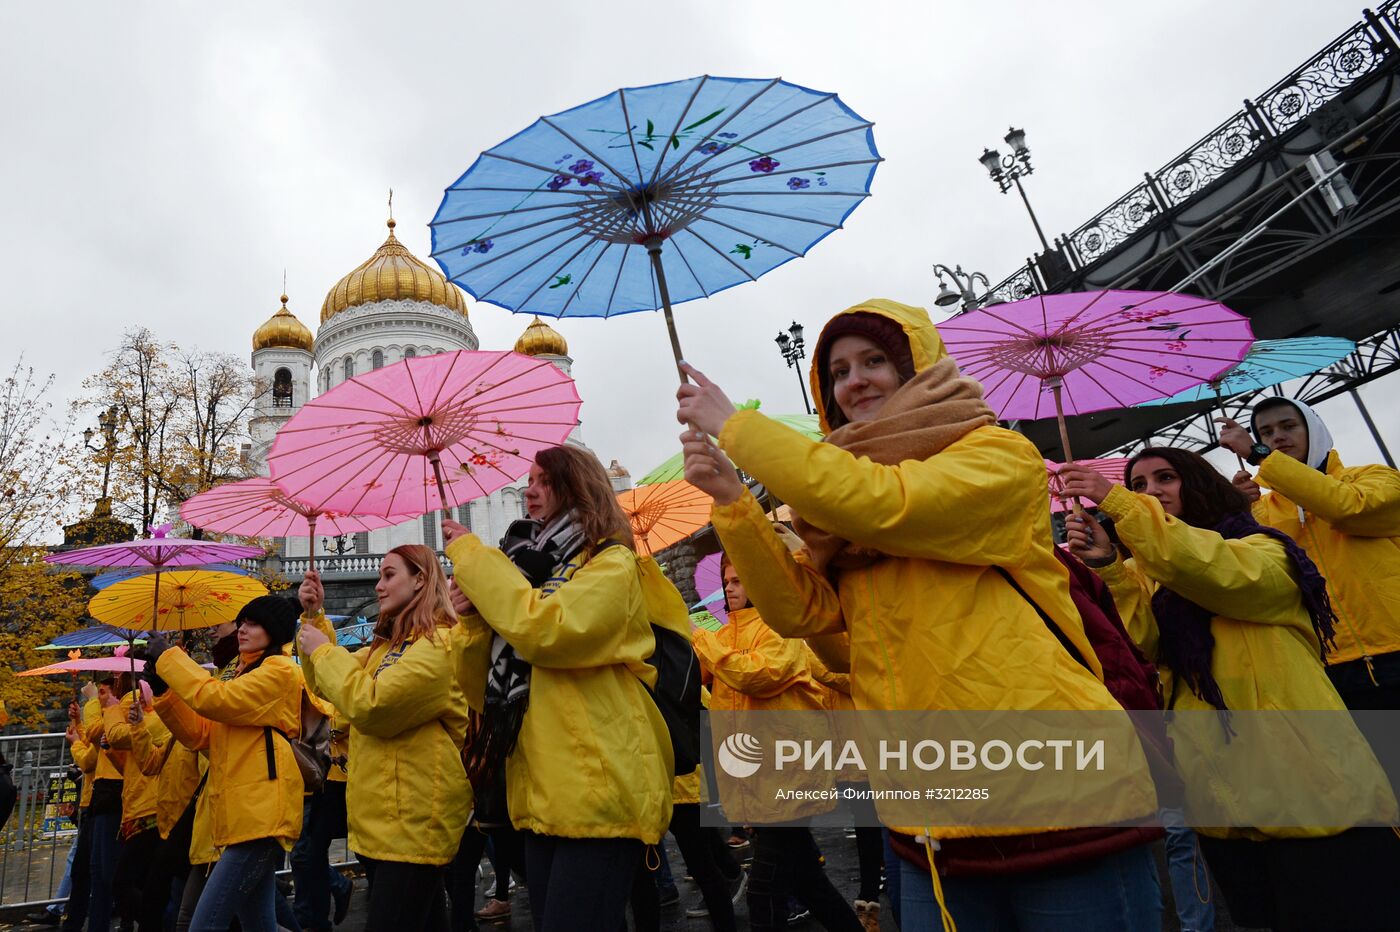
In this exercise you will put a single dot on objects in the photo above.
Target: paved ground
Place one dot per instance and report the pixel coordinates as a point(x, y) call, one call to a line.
point(841, 866)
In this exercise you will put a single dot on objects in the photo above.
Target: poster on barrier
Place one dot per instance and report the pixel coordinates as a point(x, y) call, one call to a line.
point(60, 805)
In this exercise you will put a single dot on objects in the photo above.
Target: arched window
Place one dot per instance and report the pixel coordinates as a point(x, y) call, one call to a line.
point(282, 388)
point(349, 367)
point(376, 361)
point(410, 353)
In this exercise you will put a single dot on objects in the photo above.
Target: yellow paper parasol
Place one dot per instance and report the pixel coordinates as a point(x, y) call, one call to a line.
point(187, 599)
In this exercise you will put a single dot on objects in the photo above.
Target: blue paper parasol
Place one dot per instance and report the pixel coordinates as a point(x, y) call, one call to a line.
point(95, 636)
point(1268, 362)
point(654, 195)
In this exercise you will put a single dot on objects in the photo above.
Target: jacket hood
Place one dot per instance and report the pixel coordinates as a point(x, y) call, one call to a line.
point(925, 345)
point(1319, 437)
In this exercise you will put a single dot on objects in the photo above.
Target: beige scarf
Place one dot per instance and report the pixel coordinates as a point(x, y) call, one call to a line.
point(935, 408)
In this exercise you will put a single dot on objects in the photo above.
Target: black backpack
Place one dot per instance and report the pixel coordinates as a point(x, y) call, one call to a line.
point(677, 690)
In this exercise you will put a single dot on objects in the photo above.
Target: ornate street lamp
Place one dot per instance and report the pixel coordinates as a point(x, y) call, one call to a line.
point(107, 426)
point(793, 348)
point(963, 290)
point(1007, 171)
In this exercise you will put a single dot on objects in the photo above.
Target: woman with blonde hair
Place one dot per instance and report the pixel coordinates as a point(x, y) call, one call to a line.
point(586, 752)
point(407, 794)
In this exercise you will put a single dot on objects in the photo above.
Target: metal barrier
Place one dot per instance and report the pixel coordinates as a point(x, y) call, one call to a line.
point(35, 840)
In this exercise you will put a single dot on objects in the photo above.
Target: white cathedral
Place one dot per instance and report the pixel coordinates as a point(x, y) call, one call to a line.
point(391, 307)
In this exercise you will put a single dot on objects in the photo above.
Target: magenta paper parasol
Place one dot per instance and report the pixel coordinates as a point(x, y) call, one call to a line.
point(258, 508)
point(1111, 469)
point(424, 434)
point(707, 581)
point(1066, 354)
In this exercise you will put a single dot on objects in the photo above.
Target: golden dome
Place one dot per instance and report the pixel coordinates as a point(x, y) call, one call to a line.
point(540, 339)
point(617, 471)
point(392, 273)
point(283, 329)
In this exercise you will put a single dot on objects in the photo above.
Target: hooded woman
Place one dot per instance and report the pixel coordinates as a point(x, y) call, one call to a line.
point(1237, 617)
point(587, 755)
point(1348, 520)
point(253, 785)
point(407, 795)
point(907, 510)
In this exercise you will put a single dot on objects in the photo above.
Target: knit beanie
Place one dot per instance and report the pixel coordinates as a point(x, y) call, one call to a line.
point(275, 615)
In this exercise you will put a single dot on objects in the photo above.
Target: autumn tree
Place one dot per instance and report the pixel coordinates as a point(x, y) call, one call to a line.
point(36, 603)
point(181, 421)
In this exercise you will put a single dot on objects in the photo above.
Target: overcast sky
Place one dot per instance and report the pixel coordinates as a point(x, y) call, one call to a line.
point(164, 162)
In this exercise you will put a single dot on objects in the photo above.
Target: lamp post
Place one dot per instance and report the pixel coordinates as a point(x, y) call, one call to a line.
point(791, 345)
point(964, 287)
point(107, 426)
point(1008, 170)
point(339, 546)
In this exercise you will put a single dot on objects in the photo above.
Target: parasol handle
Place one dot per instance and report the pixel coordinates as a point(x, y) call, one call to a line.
point(442, 492)
point(654, 251)
point(311, 540)
point(1056, 387)
point(1220, 400)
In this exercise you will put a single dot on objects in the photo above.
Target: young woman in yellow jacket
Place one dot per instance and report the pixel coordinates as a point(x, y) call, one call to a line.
point(587, 755)
point(254, 787)
point(749, 667)
point(139, 834)
point(907, 510)
point(1237, 618)
point(407, 796)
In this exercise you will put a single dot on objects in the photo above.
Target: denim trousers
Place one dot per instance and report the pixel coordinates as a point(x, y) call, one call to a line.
point(1191, 885)
point(1118, 893)
point(322, 819)
point(242, 886)
point(106, 850)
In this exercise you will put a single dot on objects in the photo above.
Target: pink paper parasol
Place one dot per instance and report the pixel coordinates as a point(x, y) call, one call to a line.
point(258, 508)
point(707, 580)
point(1111, 469)
point(108, 664)
point(424, 433)
point(1093, 351)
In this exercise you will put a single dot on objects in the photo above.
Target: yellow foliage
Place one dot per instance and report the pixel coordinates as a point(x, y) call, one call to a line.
point(37, 604)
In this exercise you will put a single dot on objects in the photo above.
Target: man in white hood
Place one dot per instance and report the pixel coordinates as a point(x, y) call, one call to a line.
point(1347, 518)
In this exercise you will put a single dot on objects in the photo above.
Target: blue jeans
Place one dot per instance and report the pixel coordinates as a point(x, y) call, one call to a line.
point(242, 886)
point(892, 876)
point(106, 850)
point(1186, 865)
point(322, 819)
point(1118, 893)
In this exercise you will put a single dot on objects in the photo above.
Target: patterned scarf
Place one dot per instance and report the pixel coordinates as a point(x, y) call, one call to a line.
point(541, 552)
point(1186, 642)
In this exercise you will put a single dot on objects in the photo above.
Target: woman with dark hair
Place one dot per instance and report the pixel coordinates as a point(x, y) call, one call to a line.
point(254, 786)
point(1238, 620)
point(407, 796)
point(587, 756)
point(927, 541)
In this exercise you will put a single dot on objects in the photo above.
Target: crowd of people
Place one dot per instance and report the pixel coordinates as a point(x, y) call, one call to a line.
point(511, 702)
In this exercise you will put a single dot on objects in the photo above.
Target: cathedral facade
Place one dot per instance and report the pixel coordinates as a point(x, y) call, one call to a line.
point(391, 307)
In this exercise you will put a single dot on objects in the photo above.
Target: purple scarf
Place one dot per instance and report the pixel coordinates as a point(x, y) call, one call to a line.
point(1186, 642)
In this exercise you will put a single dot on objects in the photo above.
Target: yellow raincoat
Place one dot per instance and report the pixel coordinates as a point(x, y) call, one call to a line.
point(110, 763)
point(593, 758)
point(1266, 657)
point(247, 799)
point(932, 625)
point(85, 757)
point(749, 666)
point(1350, 526)
point(407, 796)
point(139, 774)
point(177, 769)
